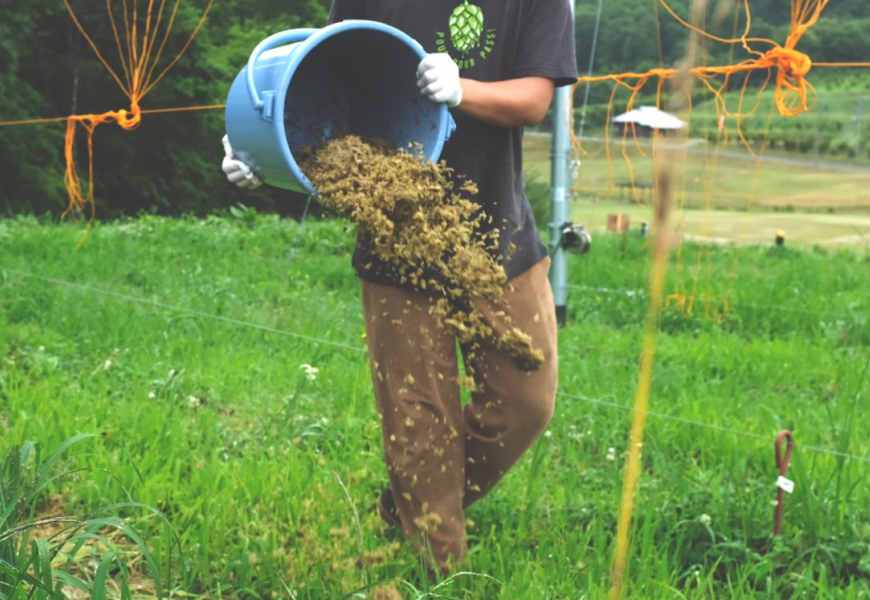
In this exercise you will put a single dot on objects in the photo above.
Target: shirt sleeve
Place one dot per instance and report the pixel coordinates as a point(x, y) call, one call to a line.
point(346, 9)
point(546, 45)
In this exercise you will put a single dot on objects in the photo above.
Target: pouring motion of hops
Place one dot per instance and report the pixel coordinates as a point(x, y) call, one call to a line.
point(495, 63)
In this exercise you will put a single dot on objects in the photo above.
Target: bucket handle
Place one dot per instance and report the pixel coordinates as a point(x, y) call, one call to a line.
point(451, 126)
point(291, 36)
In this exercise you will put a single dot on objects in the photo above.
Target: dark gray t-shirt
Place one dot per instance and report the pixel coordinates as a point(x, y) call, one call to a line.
point(518, 38)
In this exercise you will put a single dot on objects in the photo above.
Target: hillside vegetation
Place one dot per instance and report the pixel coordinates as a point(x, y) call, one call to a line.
point(170, 164)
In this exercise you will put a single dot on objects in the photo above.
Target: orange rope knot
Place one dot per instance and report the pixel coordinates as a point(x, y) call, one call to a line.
point(792, 62)
point(792, 87)
point(128, 120)
point(140, 48)
point(78, 199)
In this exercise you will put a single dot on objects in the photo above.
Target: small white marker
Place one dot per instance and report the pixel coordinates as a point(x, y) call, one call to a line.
point(787, 485)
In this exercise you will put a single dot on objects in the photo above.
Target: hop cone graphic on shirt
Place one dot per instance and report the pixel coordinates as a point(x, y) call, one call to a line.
point(466, 26)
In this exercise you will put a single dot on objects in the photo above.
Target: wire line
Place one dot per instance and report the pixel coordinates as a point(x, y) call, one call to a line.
point(149, 111)
point(704, 425)
point(639, 293)
point(344, 346)
point(197, 313)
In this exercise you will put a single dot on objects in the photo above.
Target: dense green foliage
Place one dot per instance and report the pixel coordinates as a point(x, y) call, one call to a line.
point(215, 423)
point(170, 164)
point(630, 41)
point(632, 31)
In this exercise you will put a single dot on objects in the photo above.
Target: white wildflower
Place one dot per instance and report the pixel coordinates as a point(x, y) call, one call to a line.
point(107, 365)
point(152, 395)
point(310, 372)
point(705, 520)
point(548, 434)
point(611, 454)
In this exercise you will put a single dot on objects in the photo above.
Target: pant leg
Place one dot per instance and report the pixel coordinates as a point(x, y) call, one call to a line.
point(414, 371)
point(510, 407)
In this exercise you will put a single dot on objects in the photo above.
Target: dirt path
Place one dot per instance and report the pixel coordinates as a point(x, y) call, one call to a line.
point(850, 230)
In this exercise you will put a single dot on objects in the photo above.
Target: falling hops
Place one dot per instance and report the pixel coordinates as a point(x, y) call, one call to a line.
point(420, 224)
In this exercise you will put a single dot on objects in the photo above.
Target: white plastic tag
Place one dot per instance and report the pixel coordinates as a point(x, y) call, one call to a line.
point(787, 485)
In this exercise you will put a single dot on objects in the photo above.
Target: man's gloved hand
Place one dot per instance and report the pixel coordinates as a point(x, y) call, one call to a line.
point(438, 78)
point(237, 171)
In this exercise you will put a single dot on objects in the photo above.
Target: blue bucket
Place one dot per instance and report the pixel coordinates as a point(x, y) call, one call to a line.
point(304, 86)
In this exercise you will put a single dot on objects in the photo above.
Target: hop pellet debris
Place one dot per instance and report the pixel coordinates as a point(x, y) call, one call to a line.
point(417, 219)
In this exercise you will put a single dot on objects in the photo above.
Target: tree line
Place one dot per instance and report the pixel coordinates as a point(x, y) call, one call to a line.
point(170, 165)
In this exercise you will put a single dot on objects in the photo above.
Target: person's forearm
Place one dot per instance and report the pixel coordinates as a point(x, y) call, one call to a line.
point(511, 103)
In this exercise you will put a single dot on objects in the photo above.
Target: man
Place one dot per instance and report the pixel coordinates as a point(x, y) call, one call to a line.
point(496, 63)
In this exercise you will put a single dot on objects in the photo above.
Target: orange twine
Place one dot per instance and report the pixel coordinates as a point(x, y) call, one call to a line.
point(792, 68)
point(139, 62)
point(127, 120)
point(793, 95)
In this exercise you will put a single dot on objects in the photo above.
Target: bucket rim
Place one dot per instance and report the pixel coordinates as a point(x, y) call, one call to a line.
point(305, 47)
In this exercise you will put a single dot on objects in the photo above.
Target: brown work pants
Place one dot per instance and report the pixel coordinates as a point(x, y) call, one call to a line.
point(440, 457)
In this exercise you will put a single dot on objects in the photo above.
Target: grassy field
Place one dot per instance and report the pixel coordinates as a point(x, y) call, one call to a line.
point(181, 344)
point(710, 180)
point(723, 198)
point(824, 230)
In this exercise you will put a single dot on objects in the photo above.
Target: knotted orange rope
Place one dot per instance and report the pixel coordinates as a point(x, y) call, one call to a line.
point(792, 68)
point(139, 61)
point(127, 120)
point(793, 96)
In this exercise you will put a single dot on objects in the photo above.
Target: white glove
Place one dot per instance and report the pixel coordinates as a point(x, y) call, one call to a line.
point(438, 78)
point(237, 171)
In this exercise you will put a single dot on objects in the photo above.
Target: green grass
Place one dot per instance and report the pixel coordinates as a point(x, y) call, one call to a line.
point(709, 180)
point(215, 424)
point(721, 198)
point(46, 558)
point(823, 230)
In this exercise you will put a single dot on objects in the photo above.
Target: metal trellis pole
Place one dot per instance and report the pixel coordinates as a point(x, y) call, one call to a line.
point(559, 192)
point(591, 67)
